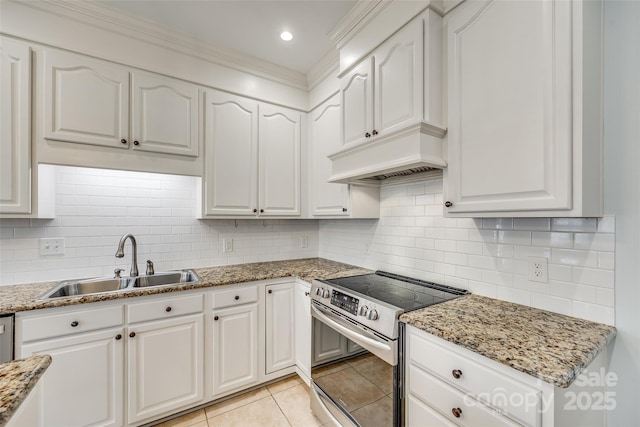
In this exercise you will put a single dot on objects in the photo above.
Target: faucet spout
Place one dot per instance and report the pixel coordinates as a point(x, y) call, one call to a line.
point(134, 248)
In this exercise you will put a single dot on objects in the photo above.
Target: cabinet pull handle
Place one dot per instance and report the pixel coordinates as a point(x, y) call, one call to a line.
point(118, 337)
point(306, 294)
point(367, 135)
point(448, 204)
point(136, 142)
point(216, 318)
point(123, 141)
point(270, 291)
point(237, 297)
point(255, 211)
point(132, 334)
point(168, 309)
point(457, 412)
point(74, 324)
point(374, 133)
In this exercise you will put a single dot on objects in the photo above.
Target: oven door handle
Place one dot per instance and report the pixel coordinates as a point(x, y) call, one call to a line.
point(384, 350)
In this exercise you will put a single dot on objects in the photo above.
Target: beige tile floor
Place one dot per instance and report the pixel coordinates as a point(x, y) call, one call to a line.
point(281, 404)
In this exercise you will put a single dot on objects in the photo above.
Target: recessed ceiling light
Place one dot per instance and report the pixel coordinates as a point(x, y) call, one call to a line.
point(286, 36)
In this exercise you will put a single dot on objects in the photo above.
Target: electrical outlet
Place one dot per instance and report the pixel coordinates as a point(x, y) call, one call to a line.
point(227, 245)
point(52, 246)
point(538, 271)
point(304, 242)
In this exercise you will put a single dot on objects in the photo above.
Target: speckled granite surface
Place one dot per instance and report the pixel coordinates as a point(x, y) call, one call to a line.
point(549, 346)
point(17, 378)
point(14, 298)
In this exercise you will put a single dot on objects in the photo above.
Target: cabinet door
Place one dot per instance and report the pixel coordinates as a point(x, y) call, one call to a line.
point(231, 155)
point(327, 343)
point(280, 341)
point(235, 348)
point(399, 79)
point(85, 100)
point(165, 370)
point(326, 198)
point(83, 386)
point(15, 127)
point(303, 328)
point(420, 414)
point(356, 98)
point(510, 106)
point(165, 115)
point(279, 163)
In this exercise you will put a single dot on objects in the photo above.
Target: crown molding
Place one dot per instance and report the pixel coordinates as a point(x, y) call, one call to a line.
point(359, 16)
point(327, 65)
point(104, 17)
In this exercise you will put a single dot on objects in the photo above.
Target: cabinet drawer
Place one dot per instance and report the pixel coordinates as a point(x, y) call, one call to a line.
point(55, 325)
point(165, 308)
point(235, 296)
point(419, 414)
point(446, 399)
point(487, 385)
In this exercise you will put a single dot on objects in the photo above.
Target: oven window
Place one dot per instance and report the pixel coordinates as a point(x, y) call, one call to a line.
point(359, 382)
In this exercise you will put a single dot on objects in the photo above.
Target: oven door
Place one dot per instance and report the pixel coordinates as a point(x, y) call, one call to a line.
point(355, 375)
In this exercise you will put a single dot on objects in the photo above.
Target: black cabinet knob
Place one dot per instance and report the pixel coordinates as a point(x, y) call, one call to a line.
point(457, 373)
point(132, 334)
point(74, 324)
point(123, 141)
point(216, 318)
point(261, 210)
point(344, 209)
point(374, 133)
point(255, 210)
point(367, 135)
point(237, 297)
point(456, 412)
point(270, 291)
point(168, 309)
point(448, 204)
point(136, 143)
point(118, 337)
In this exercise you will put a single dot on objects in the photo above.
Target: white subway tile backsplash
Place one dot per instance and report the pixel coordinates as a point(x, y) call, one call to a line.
point(595, 312)
point(490, 256)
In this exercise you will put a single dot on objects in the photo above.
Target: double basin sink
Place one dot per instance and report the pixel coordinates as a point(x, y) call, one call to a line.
point(70, 288)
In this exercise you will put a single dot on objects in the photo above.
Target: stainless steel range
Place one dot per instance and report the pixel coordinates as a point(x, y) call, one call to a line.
point(357, 345)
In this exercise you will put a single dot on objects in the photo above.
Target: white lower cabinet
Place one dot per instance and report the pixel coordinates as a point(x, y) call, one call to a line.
point(279, 311)
point(235, 348)
point(83, 386)
point(451, 386)
point(302, 327)
point(165, 369)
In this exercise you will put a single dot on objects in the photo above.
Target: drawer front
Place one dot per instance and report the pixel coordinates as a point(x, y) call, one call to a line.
point(55, 325)
point(446, 400)
point(165, 308)
point(485, 384)
point(419, 414)
point(235, 296)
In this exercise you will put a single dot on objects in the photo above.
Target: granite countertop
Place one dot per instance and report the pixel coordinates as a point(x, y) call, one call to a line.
point(17, 378)
point(14, 298)
point(550, 346)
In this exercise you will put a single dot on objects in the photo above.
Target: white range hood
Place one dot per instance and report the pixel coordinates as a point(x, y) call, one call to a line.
point(412, 149)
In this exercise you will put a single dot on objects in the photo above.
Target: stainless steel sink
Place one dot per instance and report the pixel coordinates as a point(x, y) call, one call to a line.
point(70, 288)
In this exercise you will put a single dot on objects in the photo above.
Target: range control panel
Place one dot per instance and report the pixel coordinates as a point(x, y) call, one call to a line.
point(345, 302)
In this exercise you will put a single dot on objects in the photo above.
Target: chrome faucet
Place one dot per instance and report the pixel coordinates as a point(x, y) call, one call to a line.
point(134, 247)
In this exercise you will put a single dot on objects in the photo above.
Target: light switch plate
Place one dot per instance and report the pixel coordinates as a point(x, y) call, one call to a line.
point(227, 245)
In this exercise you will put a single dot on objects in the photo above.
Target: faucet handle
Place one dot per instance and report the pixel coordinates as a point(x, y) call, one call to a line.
point(150, 271)
point(117, 272)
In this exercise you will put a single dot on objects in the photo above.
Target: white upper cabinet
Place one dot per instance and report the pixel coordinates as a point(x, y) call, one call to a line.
point(356, 97)
point(85, 100)
point(165, 115)
point(524, 109)
point(252, 158)
point(231, 155)
point(279, 160)
point(331, 199)
point(15, 127)
point(384, 91)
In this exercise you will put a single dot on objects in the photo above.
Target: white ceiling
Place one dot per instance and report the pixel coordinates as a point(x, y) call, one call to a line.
point(251, 27)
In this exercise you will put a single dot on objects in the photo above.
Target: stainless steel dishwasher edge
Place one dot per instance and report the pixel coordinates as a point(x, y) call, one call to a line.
point(6, 338)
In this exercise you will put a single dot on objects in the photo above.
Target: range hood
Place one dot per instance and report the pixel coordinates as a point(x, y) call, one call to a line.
point(415, 148)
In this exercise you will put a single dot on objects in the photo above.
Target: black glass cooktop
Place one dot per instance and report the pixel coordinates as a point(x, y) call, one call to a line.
point(400, 291)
